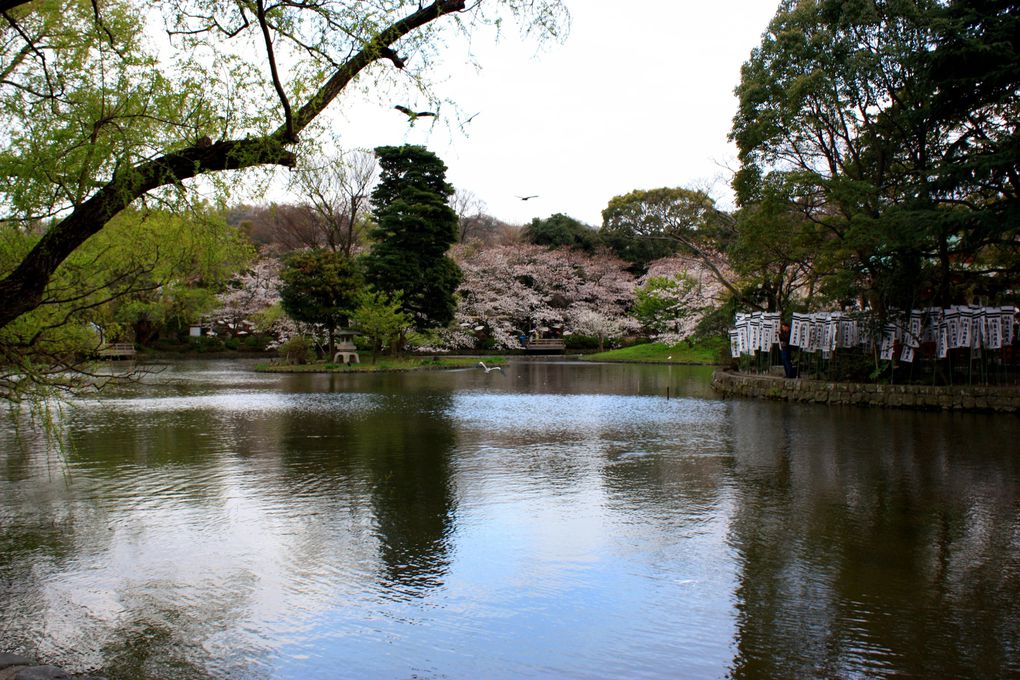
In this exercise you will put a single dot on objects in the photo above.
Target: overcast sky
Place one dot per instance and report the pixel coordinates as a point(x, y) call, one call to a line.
point(638, 96)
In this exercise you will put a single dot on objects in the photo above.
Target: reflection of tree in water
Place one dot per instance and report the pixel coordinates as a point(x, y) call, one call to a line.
point(397, 453)
point(22, 595)
point(874, 543)
point(409, 456)
point(594, 378)
point(43, 521)
point(149, 649)
point(105, 439)
point(677, 479)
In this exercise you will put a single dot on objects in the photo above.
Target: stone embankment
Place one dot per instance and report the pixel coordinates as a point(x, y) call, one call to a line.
point(925, 397)
point(15, 667)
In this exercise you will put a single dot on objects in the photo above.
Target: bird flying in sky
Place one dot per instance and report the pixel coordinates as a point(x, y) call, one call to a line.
point(413, 115)
point(525, 198)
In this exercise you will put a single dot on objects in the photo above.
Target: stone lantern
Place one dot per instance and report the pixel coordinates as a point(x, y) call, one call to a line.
point(346, 352)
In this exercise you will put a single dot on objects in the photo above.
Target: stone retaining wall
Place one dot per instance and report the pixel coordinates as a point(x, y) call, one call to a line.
point(956, 398)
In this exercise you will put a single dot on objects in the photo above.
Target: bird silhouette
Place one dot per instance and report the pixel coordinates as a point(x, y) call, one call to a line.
point(490, 369)
point(469, 119)
point(413, 115)
point(525, 198)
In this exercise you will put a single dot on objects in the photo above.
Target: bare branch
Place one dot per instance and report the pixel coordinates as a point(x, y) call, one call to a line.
point(345, 74)
point(288, 119)
point(31, 45)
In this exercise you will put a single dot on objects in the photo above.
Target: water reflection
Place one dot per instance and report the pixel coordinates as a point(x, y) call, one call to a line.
point(875, 543)
point(558, 521)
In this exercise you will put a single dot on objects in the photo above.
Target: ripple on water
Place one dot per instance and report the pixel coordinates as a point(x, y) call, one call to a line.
point(218, 529)
point(246, 403)
point(585, 412)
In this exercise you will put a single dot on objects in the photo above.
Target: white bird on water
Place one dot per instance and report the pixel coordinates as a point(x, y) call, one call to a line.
point(489, 369)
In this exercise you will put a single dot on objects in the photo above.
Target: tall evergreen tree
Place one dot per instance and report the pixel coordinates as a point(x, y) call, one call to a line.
point(415, 228)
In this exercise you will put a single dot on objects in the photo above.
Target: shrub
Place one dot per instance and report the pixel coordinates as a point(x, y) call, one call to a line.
point(297, 350)
point(577, 341)
point(255, 343)
point(207, 344)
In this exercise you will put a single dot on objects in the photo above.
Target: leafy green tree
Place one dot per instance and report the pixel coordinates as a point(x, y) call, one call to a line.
point(777, 254)
point(381, 317)
point(320, 286)
point(849, 113)
point(685, 218)
point(96, 116)
point(145, 271)
point(187, 261)
point(639, 252)
point(415, 228)
point(662, 301)
point(170, 307)
point(562, 230)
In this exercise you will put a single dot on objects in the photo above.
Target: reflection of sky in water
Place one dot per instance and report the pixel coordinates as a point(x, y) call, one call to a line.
point(591, 412)
point(216, 523)
point(246, 403)
point(551, 570)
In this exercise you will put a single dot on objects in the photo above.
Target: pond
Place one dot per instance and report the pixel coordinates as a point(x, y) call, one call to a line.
point(560, 519)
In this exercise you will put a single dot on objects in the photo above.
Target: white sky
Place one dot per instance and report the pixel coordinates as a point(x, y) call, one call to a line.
point(639, 96)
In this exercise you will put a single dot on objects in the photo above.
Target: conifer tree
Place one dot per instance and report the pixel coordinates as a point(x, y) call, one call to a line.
point(415, 228)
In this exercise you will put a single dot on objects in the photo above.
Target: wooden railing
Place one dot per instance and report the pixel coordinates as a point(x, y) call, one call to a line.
point(546, 345)
point(117, 350)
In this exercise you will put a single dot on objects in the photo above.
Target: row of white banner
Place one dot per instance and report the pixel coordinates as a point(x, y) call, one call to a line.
point(950, 328)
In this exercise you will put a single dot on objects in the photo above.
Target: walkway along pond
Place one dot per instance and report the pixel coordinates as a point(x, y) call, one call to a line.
point(555, 519)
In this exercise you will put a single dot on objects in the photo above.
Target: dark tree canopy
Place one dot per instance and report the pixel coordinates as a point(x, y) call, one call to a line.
point(640, 252)
point(409, 167)
point(320, 286)
point(892, 128)
point(415, 228)
point(562, 230)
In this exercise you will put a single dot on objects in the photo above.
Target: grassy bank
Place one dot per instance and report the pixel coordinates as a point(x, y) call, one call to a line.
point(383, 363)
point(708, 351)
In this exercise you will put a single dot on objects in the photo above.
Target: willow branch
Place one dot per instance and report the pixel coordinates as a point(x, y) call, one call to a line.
point(22, 289)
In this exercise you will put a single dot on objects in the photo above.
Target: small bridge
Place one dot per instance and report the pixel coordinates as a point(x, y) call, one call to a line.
point(117, 350)
point(546, 346)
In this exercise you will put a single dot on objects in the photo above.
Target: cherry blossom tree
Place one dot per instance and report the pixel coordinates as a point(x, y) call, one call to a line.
point(251, 291)
point(597, 324)
point(512, 290)
point(676, 294)
point(253, 297)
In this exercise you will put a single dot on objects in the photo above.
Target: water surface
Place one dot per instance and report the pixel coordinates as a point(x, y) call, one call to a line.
point(560, 520)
